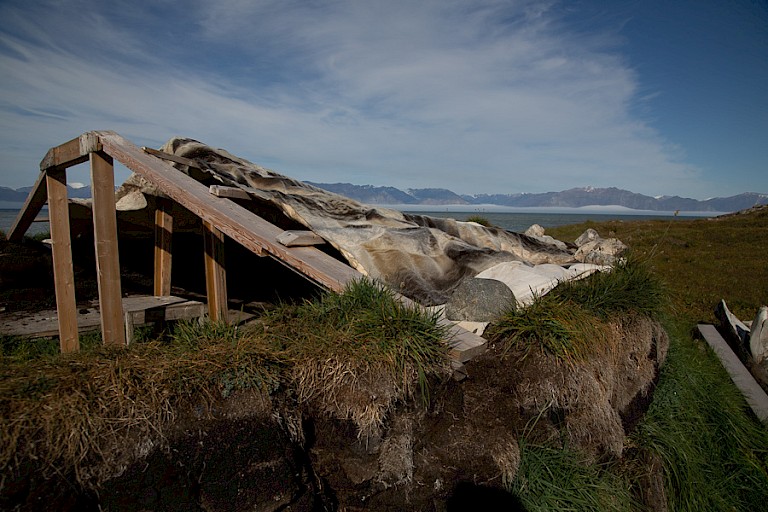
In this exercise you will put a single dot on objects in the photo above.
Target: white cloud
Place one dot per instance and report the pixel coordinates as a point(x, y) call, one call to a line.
point(476, 97)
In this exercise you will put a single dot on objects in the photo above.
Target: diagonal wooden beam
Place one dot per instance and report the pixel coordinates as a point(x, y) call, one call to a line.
point(34, 203)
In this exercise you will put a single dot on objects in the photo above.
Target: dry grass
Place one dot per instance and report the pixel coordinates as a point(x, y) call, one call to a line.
point(91, 414)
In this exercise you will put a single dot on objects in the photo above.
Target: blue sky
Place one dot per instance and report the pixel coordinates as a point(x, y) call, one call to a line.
point(657, 97)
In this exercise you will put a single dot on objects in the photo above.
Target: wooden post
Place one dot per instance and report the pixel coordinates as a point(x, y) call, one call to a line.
point(163, 244)
point(107, 254)
point(215, 273)
point(63, 273)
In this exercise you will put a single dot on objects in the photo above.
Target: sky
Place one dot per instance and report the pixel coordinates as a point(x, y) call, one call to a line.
point(660, 97)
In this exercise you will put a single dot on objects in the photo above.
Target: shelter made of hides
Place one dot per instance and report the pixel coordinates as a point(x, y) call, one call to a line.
point(421, 257)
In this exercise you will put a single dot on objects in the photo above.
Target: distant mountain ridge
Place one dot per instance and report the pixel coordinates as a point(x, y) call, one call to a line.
point(19, 195)
point(571, 198)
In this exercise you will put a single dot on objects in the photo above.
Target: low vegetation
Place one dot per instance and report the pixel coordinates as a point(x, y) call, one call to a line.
point(97, 410)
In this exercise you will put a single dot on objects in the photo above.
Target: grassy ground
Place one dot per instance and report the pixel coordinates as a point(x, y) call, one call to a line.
point(714, 452)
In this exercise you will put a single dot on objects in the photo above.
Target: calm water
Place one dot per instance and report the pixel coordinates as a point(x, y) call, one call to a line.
point(513, 221)
point(7, 217)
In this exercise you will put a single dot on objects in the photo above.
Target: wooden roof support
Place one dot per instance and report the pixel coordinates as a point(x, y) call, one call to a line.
point(163, 244)
point(215, 273)
point(32, 206)
point(107, 252)
point(63, 273)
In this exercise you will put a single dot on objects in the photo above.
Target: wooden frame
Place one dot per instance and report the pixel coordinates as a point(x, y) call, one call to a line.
point(220, 216)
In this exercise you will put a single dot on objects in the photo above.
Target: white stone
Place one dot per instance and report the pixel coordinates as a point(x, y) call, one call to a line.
point(589, 235)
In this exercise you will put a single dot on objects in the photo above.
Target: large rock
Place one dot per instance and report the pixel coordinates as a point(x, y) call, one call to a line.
point(479, 300)
point(589, 235)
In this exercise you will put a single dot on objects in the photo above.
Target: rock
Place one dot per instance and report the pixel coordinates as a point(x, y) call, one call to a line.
point(587, 236)
point(479, 300)
point(535, 231)
point(603, 251)
point(758, 335)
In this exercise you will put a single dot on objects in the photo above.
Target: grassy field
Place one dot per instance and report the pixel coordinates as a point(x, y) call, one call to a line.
point(713, 450)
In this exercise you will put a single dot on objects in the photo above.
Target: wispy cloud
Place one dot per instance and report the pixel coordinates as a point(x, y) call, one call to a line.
point(474, 96)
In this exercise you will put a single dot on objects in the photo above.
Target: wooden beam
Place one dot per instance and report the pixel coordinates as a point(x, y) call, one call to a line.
point(163, 245)
point(107, 252)
point(32, 206)
point(170, 157)
point(243, 226)
point(63, 273)
point(215, 273)
point(71, 153)
point(229, 192)
point(298, 238)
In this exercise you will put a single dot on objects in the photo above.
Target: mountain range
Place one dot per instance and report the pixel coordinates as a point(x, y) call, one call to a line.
point(571, 198)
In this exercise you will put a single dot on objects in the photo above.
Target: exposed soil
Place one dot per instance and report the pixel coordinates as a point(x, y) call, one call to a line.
point(454, 454)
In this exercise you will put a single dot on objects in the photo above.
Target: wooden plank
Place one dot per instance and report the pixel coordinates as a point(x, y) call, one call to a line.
point(754, 394)
point(170, 157)
point(32, 206)
point(229, 192)
point(236, 222)
point(241, 192)
point(107, 251)
point(163, 245)
point(297, 238)
point(63, 273)
point(215, 273)
point(71, 153)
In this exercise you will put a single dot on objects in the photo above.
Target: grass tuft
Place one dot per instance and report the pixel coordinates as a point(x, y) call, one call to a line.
point(479, 219)
point(560, 479)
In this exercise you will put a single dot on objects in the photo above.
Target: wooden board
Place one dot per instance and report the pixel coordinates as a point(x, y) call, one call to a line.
point(35, 201)
point(163, 246)
point(753, 393)
point(63, 273)
point(107, 252)
point(143, 310)
point(215, 273)
point(299, 238)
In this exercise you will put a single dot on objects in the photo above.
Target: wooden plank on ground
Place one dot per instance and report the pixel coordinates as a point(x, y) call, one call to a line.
point(215, 273)
point(32, 206)
point(107, 251)
point(163, 246)
point(63, 272)
point(243, 226)
point(754, 394)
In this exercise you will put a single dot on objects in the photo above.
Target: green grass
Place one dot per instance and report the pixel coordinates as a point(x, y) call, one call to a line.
point(559, 479)
point(714, 452)
point(572, 319)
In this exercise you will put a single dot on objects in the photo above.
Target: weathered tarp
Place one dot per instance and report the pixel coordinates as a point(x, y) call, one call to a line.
point(422, 257)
